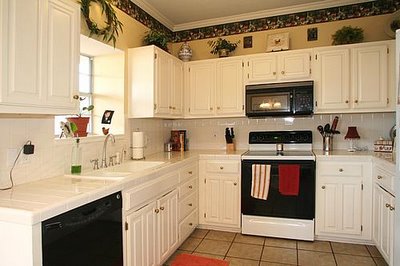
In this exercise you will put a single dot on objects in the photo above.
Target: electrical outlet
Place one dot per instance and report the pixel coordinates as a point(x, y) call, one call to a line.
point(23, 158)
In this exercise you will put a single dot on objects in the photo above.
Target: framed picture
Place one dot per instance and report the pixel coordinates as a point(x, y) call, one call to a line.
point(278, 42)
point(107, 116)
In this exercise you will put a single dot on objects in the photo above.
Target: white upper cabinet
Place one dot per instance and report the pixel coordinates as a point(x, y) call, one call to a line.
point(155, 82)
point(282, 66)
point(39, 56)
point(215, 88)
point(354, 78)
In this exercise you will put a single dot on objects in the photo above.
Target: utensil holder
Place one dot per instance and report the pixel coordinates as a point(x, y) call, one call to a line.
point(327, 144)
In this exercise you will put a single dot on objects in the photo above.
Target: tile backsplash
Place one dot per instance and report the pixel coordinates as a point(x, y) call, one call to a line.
point(52, 157)
point(210, 133)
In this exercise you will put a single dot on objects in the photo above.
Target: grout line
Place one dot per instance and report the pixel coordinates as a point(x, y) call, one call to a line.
point(297, 253)
point(226, 254)
point(334, 256)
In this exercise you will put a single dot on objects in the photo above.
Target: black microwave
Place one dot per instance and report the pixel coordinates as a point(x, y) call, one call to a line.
point(280, 99)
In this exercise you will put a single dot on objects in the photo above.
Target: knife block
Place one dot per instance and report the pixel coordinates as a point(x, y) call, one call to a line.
point(230, 147)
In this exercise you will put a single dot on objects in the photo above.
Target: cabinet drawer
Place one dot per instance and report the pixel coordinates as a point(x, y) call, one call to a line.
point(187, 187)
point(187, 205)
point(334, 169)
point(385, 179)
point(188, 172)
point(187, 226)
point(144, 193)
point(223, 167)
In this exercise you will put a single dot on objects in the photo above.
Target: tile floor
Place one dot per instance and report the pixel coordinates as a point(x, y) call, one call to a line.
point(240, 249)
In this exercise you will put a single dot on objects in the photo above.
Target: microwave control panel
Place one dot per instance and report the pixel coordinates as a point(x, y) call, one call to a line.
point(303, 102)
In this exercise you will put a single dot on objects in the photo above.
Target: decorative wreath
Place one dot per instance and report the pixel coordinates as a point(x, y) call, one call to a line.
point(111, 31)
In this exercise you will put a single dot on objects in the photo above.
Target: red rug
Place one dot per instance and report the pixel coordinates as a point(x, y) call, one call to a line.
point(193, 260)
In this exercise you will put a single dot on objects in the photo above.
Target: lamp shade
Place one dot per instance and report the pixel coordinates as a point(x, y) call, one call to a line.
point(352, 133)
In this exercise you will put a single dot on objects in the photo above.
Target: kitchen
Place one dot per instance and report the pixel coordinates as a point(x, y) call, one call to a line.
point(52, 157)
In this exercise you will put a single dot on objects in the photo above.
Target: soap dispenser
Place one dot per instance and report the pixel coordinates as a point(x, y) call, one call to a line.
point(76, 158)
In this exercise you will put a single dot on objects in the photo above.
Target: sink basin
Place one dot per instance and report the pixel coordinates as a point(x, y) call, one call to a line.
point(120, 171)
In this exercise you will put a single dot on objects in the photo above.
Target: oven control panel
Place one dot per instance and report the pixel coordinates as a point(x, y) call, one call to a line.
point(273, 137)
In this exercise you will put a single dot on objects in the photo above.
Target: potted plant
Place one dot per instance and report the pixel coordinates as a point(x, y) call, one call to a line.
point(79, 123)
point(158, 38)
point(348, 35)
point(222, 47)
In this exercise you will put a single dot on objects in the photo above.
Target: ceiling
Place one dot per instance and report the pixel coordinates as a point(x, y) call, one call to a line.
point(188, 14)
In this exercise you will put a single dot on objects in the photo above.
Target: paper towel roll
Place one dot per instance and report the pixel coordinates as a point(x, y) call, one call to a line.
point(138, 139)
point(137, 153)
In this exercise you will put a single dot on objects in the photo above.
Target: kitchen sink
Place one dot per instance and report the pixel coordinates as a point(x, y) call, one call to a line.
point(120, 171)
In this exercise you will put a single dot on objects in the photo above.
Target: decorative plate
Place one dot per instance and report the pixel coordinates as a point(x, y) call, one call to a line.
point(278, 42)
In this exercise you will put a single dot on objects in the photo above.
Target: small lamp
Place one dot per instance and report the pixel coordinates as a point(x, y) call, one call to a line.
point(352, 134)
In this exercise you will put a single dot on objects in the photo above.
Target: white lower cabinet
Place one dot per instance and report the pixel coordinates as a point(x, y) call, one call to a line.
point(219, 193)
point(152, 231)
point(343, 199)
point(383, 214)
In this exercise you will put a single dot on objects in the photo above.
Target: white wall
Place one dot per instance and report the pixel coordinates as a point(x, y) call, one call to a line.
point(210, 133)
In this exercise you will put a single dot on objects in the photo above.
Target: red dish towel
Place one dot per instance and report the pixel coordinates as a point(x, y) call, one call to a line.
point(260, 179)
point(289, 179)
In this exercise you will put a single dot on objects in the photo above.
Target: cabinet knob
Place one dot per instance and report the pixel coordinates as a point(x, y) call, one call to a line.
point(347, 101)
point(356, 101)
point(340, 170)
point(221, 167)
point(391, 208)
point(235, 184)
point(323, 187)
point(283, 72)
point(169, 107)
point(75, 97)
point(379, 177)
point(190, 172)
point(387, 205)
point(190, 224)
point(162, 208)
point(190, 186)
point(274, 73)
point(173, 108)
point(211, 108)
point(190, 204)
point(156, 210)
point(218, 108)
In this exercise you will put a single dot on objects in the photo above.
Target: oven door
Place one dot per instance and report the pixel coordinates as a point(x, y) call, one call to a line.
point(301, 206)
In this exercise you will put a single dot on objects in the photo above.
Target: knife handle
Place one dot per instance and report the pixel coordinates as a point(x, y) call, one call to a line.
point(334, 123)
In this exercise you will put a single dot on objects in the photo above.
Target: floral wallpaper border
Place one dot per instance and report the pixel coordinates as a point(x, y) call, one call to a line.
point(373, 8)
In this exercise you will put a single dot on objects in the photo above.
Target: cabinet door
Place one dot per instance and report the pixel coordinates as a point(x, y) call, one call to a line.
point(294, 65)
point(167, 224)
point(339, 206)
point(370, 77)
point(202, 88)
point(213, 200)
point(332, 79)
point(62, 53)
point(21, 41)
point(230, 91)
point(141, 241)
point(177, 88)
point(163, 76)
point(230, 211)
point(261, 69)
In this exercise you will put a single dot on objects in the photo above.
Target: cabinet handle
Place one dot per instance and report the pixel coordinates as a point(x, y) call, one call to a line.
point(221, 167)
point(356, 101)
point(190, 186)
point(190, 204)
point(162, 208)
point(387, 205)
point(190, 224)
point(156, 210)
point(391, 208)
point(323, 187)
point(283, 72)
point(75, 97)
point(379, 177)
point(235, 184)
point(340, 170)
point(347, 101)
point(190, 172)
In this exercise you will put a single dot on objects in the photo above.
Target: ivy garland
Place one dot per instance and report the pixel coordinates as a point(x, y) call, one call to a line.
point(111, 31)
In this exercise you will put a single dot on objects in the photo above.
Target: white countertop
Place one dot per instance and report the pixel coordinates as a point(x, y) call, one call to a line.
point(33, 202)
point(385, 157)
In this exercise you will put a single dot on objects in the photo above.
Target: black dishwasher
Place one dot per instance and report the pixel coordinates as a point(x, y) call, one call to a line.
point(85, 236)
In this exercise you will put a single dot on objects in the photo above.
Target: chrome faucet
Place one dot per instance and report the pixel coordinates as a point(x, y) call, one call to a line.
point(104, 154)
